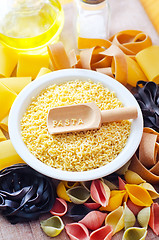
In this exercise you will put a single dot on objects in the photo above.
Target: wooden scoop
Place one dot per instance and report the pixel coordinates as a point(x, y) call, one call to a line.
point(85, 116)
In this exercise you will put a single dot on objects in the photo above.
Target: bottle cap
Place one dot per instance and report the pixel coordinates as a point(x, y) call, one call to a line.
point(92, 1)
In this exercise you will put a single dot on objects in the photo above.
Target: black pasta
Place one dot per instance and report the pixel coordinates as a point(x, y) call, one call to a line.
point(148, 98)
point(24, 193)
point(77, 212)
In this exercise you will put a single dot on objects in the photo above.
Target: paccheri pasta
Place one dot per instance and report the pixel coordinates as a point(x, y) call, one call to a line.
point(78, 151)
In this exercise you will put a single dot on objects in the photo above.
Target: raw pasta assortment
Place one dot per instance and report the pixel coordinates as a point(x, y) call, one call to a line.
point(100, 208)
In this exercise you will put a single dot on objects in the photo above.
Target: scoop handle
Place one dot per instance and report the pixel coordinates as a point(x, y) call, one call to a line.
point(119, 114)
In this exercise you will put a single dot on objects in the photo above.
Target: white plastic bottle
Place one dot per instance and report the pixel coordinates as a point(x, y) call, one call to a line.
point(93, 18)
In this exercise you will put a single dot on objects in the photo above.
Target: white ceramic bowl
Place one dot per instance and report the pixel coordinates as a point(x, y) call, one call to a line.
point(33, 89)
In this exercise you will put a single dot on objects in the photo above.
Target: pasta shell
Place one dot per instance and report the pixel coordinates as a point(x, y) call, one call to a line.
point(133, 207)
point(94, 220)
point(111, 185)
point(133, 178)
point(129, 217)
point(116, 199)
point(138, 195)
point(121, 183)
point(77, 212)
point(92, 205)
point(59, 207)
point(143, 217)
point(52, 226)
point(154, 218)
point(103, 233)
point(70, 184)
point(61, 192)
point(135, 233)
point(78, 195)
point(116, 219)
point(77, 231)
point(150, 189)
point(123, 169)
point(86, 185)
point(100, 192)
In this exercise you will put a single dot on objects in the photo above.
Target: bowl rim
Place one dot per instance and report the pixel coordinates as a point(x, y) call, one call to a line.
point(60, 76)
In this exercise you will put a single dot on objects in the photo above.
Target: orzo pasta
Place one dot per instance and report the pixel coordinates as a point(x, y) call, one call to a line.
point(80, 151)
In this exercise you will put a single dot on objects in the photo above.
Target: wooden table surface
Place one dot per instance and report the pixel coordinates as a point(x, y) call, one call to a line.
point(125, 14)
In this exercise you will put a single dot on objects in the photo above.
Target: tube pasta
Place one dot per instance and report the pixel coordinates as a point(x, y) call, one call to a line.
point(16, 84)
point(2, 137)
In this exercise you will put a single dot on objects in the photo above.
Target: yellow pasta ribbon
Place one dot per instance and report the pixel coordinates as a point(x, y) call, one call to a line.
point(7, 97)
point(43, 71)
point(84, 43)
point(138, 195)
point(148, 61)
point(61, 192)
point(16, 83)
point(30, 64)
point(8, 61)
point(8, 155)
point(58, 56)
point(2, 137)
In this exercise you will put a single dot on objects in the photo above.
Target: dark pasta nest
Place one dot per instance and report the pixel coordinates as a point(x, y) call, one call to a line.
point(148, 98)
point(24, 193)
